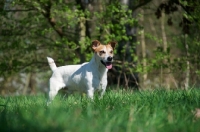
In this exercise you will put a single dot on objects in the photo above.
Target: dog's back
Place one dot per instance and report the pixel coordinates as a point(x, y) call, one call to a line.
point(71, 75)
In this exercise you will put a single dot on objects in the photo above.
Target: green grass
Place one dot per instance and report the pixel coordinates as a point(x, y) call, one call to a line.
point(118, 111)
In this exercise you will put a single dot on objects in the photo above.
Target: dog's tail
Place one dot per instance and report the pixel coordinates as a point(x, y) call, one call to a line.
point(51, 63)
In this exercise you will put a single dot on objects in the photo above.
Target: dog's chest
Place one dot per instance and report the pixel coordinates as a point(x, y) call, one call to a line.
point(88, 76)
point(88, 79)
point(98, 79)
point(96, 82)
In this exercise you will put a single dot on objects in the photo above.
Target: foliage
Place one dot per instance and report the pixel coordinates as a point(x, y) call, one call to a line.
point(188, 41)
point(156, 110)
point(51, 28)
point(31, 30)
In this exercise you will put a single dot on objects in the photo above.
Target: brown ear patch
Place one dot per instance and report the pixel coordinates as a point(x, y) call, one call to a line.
point(112, 44)
point(95, 44)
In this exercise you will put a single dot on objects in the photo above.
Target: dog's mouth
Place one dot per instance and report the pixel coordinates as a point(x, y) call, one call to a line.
point(108, 64)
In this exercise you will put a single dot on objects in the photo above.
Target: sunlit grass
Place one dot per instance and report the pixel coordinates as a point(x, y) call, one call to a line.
point(118, 111)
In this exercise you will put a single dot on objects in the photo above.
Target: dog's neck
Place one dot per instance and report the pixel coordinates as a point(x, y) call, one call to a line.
point(98, 65)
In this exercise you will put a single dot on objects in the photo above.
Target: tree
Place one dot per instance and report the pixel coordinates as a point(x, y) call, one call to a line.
point(35, 29)
point(189, 41)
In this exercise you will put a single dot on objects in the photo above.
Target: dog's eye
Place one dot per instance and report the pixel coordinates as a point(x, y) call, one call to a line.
point(102, 52)
point(111, 51)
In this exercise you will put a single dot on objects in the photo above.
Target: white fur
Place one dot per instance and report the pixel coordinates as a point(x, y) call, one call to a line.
point(85, 78)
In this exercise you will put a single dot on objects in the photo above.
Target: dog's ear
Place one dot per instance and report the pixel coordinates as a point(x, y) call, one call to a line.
point(95, 44)
point(112, 44)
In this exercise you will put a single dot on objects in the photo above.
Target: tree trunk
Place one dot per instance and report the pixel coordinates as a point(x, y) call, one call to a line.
point(82, 34)
point(166, 76)
point(25, 89)
point(143, 49)
point(153, 29)
point(32, 83)
point(164, 79)
point(187, 78)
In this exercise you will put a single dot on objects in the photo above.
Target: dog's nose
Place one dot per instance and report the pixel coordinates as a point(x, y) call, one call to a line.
point(109, 58)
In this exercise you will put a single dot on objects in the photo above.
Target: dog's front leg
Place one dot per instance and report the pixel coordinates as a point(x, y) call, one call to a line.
point(90, 92)
point(103, 91)
point(103, 87)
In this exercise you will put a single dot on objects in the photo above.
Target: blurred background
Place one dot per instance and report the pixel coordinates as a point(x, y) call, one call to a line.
point(158, 41)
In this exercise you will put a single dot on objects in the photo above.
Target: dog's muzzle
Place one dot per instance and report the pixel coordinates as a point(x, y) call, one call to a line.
point(107, 64)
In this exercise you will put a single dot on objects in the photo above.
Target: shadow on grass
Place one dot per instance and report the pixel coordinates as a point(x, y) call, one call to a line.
point(21, 121)
point(24, 125)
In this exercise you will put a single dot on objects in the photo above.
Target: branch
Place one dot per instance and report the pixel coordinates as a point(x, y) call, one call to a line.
point(47, 15)
point(140, 5)
point(20, 10)
point(188, 12)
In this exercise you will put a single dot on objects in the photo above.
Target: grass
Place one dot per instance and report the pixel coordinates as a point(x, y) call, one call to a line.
point(118, 111)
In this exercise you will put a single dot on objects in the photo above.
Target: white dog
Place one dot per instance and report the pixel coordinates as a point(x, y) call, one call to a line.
point(87, 77)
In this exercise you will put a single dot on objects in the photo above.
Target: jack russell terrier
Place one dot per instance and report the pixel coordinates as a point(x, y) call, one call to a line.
point(85, 78)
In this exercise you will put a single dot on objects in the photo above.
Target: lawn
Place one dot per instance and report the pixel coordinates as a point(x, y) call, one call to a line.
point(118, 111)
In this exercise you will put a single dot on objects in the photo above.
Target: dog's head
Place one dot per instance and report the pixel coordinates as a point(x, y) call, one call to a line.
point(104, 53)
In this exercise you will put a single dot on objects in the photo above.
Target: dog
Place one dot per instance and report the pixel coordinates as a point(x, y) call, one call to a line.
point(84, 78)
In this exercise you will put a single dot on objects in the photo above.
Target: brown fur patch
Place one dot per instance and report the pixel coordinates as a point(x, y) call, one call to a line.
point(100, 47)
point(103, 47)
point(108, 46)
point(102, 50)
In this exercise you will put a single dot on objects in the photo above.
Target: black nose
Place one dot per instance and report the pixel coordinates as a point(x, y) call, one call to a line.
point(109, 58)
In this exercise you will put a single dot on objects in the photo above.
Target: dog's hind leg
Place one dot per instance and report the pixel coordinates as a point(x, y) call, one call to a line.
point(54, 87)
point(52, 94)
